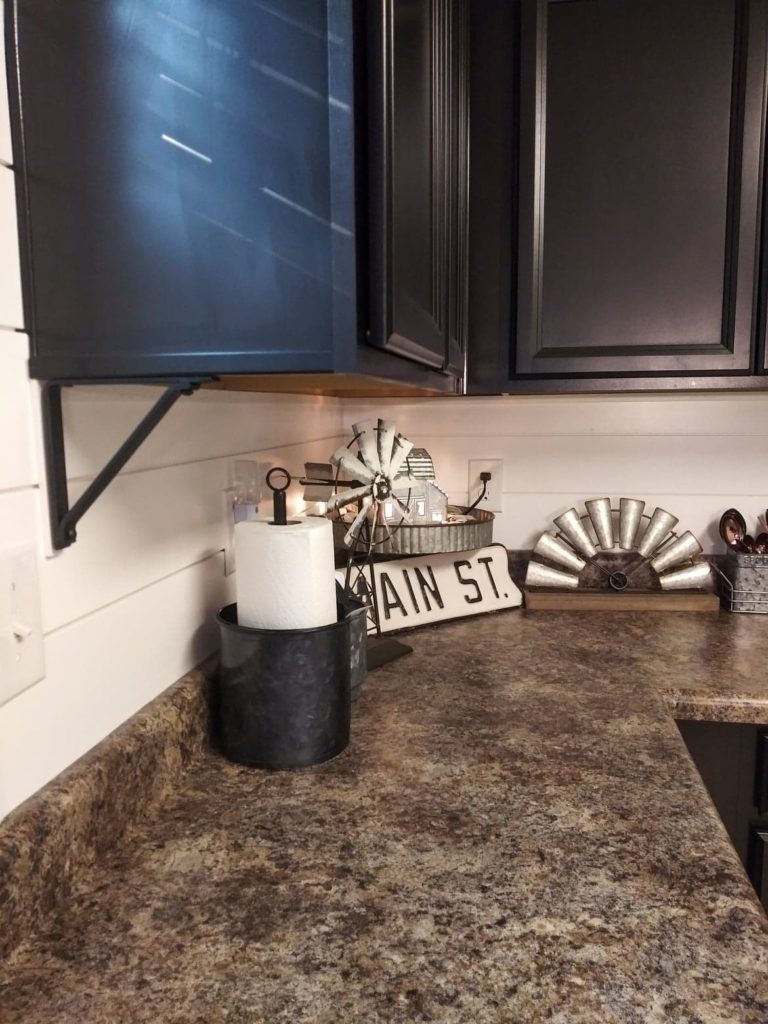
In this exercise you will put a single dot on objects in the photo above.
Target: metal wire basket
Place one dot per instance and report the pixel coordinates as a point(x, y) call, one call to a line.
point(744, 583)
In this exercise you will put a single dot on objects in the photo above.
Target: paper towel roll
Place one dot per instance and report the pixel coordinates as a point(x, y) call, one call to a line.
point(285, 574)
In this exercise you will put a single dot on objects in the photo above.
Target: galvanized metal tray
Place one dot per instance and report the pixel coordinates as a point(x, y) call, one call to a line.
point(430, 539)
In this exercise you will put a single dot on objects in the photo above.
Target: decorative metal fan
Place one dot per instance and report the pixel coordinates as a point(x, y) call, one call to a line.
point(373, 471)
point(659, 549)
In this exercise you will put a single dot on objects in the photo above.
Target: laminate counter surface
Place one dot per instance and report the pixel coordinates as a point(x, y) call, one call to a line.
point(516, 834)
point(712, 668)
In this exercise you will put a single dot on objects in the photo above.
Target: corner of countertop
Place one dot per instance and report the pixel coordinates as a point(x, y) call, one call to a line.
point(53, 840)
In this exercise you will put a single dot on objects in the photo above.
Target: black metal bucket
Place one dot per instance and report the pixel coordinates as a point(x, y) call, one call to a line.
point(283, 696)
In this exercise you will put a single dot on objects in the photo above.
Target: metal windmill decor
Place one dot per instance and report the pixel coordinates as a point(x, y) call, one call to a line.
point(380, 457)
point(384, 502)
point(647, 559)
point(381, 454)
point(374, 479)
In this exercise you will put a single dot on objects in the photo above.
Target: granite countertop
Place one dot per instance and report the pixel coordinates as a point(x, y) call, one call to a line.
point(516, 834)
point(708, 667)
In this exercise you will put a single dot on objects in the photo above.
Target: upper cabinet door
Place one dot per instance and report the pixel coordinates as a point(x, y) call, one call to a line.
point(641, 129)
point(188, 170)
point(418, 151)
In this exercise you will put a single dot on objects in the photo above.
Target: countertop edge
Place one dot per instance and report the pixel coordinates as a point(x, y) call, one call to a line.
point(51, 842)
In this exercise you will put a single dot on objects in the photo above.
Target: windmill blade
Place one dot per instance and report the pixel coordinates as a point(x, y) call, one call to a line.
point(357, 470)
point(345, 497)
point(658, 529)
point(385, 439)
point(366, 442)
point(400, 452)
point(693, 577)
point(539, 575)
point(350, 535)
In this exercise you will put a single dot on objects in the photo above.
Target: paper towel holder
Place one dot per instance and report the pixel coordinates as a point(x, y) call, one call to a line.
point(280, 513)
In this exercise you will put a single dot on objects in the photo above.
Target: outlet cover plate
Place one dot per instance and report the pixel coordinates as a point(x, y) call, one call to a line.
point(22, 657)
point(493, 500)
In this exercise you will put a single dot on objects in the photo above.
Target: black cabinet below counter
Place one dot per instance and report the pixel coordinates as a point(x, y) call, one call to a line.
point(618, 151)
point(733, 763)
point(243, 189)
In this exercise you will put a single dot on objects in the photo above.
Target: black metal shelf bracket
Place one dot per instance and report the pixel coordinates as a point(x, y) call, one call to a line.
point(64, 519)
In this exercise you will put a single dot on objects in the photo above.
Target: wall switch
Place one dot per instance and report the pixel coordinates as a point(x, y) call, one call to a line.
point(22, 658)
point(492, 502)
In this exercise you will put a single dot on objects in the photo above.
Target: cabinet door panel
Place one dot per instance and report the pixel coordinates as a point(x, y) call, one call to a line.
point(457, 184)
point(181, 183)
point(757, 864)
point(418, 149)
point(724, 754)
point(639, 185)
point(761, 773)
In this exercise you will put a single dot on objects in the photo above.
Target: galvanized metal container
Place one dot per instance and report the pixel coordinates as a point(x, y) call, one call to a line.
point(430, 539)
point(744, 583)
point(283, 695)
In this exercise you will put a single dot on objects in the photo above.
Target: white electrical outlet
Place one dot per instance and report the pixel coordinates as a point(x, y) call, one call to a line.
point(492, 501)
point(22, 659)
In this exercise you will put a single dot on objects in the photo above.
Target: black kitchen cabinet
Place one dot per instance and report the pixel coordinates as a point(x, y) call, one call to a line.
point(626, 156)
point(757, 851)
point(203, 191)
point(757, 864)
point(732, 761)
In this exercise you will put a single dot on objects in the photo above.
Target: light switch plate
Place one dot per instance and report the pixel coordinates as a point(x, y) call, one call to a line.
point(22, 657)
point(493, 500)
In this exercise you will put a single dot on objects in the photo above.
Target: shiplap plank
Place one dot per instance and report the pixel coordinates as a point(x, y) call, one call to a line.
point(142, 528)
point(721, 415)
point(612, 465)
point(11, 310)
point(6, 150)
point(209, 424)
point(102, 669)
point(17, 460)
point(146, 525)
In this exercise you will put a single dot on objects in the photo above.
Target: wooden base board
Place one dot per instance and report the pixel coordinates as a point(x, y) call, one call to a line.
point(613, 601)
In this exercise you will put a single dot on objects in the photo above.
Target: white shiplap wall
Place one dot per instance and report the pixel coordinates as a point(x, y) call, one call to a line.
point(695, 455)
point(130, 607)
